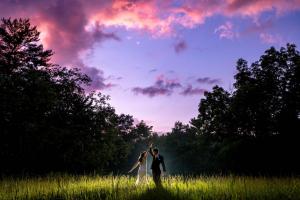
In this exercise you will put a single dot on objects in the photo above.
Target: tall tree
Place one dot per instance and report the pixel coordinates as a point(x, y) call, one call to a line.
point(20, 48)
point(214, 115)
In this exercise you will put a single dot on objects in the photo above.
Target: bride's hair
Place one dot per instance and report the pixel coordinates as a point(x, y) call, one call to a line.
point(141, 157)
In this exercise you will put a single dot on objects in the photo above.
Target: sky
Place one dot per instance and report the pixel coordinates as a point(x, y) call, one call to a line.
point(156, 58)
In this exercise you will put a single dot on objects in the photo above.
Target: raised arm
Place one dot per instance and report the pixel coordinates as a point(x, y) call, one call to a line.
point(150, 150)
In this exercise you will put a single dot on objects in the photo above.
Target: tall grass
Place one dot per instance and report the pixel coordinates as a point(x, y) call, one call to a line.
point(66, 187)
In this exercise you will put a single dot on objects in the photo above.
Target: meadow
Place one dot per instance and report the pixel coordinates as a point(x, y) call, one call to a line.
point(67, 187)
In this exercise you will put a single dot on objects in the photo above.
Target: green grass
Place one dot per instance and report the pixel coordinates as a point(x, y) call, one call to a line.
point(65, 187)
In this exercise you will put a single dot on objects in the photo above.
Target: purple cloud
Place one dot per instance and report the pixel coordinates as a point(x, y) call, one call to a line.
point(162, 86)
point(189, 90)
point(208, 80)
point(100, 36)
point(180, 46)
point(112, 77)
point(153, 70)
point(98, 79)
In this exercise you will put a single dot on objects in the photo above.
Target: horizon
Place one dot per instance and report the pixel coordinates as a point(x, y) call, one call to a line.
point(153, 56)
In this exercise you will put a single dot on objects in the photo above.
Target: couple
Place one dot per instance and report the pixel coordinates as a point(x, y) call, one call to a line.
point(155, 166)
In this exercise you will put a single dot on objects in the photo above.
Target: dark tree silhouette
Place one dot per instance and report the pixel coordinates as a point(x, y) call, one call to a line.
point(214, 113)
point(47, 121)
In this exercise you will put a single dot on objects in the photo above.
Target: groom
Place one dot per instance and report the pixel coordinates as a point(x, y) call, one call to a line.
point(157, 160)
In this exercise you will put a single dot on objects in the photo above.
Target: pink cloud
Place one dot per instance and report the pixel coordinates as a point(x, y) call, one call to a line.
point(226, 31)
point(157, 17)
point(62, 25)
point(78, 24)
point(72, 27)
point(256, 7)
point(139, 15)
point(160, 18)
point(258, 27)
point(271, 39)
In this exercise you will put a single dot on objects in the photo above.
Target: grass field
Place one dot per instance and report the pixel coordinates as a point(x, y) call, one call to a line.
point(65, 187)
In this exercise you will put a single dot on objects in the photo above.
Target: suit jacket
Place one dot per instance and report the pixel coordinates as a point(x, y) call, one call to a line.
point(156, 162)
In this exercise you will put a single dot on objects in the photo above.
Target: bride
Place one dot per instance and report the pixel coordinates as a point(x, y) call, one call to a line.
point(142, 172)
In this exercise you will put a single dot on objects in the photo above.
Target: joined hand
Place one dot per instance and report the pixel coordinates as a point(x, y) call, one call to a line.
point(150, 145)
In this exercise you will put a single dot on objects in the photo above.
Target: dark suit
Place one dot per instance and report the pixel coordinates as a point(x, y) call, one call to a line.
point(157, 160)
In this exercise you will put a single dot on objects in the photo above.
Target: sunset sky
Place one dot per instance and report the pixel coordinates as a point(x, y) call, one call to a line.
point(156, 58)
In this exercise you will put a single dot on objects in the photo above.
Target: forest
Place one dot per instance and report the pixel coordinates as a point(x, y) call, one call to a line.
point(49, 123)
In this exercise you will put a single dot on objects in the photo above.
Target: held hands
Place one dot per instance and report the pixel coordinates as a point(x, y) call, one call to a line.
point(150, 145)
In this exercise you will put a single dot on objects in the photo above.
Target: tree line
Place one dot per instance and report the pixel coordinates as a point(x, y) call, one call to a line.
point(49, 123)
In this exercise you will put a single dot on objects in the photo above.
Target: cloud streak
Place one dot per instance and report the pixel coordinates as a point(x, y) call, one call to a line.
point(161, 87)
point(208, 80)
point(166, 87)
point(190, 90)
point(153, 70)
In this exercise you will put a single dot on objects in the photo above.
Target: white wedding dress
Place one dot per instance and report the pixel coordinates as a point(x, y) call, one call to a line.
point(142, 173)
